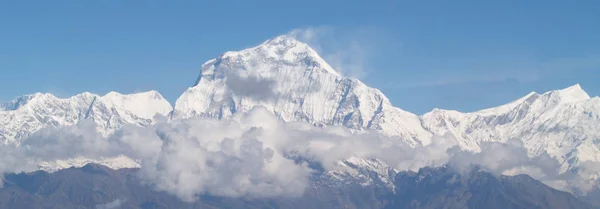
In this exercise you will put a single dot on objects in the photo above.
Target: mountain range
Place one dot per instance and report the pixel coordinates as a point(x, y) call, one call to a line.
point(290, 79)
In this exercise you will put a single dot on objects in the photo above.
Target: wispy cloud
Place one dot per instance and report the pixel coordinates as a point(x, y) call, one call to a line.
point(570, 64)
point(460, 79)
point(347, 50)
point(523, 72)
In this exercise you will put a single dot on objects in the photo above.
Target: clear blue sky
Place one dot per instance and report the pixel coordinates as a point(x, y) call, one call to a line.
point(464, 55)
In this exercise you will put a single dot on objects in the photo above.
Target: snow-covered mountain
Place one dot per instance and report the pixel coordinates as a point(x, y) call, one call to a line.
point(27, 114)
point(564, 123)
point(290, 79)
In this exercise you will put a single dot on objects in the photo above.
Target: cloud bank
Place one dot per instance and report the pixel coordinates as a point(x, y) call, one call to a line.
point(253, 154)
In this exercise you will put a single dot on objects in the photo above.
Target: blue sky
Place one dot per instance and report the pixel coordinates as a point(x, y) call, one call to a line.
point(464, 55)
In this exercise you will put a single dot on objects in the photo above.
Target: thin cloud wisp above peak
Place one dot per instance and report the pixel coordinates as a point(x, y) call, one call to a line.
point(347, 51)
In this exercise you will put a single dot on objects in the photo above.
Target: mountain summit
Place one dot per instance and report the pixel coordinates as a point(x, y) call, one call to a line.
point(280, 50)
point(291, 80)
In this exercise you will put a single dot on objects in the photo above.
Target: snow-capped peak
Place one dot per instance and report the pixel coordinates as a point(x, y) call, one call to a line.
point(22, 101)
point(570, 94)
point(143, 104)
point(283, 49)
point(282, 41)
point(292, 81)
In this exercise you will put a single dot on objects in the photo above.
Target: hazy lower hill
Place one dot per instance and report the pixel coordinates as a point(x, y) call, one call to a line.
point(95, 186)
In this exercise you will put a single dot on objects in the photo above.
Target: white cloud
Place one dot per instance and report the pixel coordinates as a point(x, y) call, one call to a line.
point(503, 158)
point(347, 51)
point(225, 158)
point(249, 155)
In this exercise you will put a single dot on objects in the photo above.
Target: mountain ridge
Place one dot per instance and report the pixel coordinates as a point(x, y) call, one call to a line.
point(29, 113)
point(576, 89)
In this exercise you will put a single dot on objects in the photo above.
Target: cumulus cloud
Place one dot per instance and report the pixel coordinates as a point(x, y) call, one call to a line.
point(347, 51)
point(254, 154)
point(66, 142)
point(225, 159)
point(509, 158)
point(512, 158)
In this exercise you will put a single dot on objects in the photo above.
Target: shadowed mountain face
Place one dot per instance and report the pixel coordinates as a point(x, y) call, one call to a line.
point(95, 186)
point(442, 188)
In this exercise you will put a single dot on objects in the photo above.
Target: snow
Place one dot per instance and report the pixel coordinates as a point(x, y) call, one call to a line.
point(283, 48)
point(27, 114)
point(144, 104)
point(573, 94)
point(507, 107)
point(305, 88)
point(118, 162)
point(564, 123)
